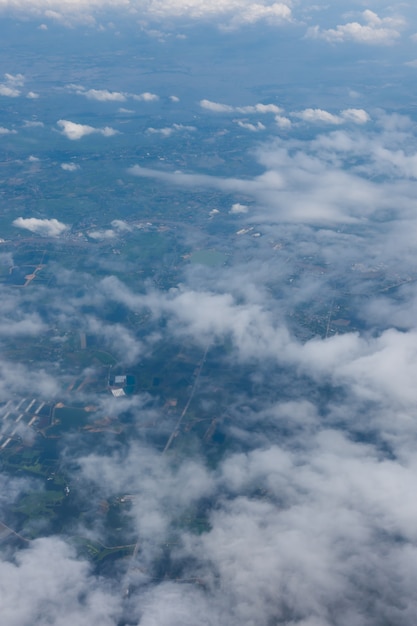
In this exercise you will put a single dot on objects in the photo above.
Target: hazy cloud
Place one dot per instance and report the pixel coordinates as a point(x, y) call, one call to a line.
point(33, 124)
point(70, 167)
point(169, 130)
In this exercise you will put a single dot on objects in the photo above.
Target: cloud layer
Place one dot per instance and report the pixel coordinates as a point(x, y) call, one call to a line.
point(232, 12)
point(248, 258)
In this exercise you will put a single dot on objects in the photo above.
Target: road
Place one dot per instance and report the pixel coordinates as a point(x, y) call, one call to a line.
point(176, 430)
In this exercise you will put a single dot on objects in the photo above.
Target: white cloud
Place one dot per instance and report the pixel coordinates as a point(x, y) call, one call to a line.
point(356, 116)
point(304, 181)
point(232, 13)
point(374, 31)
point(9, 87)
point(121, 226)
point(120, 340)
point(75, 88)
point(217, 107)
point(283, 122)
point(318, 115)
point(313, 528)
point(75, 131)
point(33, 124)
point(146, 97)
point(59, 588)
point(249, 12)
point(165, 132)
point(228, 13)
point(46, 227)
point(9, 92)
point(15, 79)
point(6, 131)
point(29, 324)
point(70, 167)
point(316, 485)
point(322, 503)
point(118, 227)
point(274, 13)
point(252, 127)
point(102, 234)
point(103, 95)
point(169, 130)
point(193, 180)
point(32, 95)
point(238, 208)
point(174, 98)
point(261, 108)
